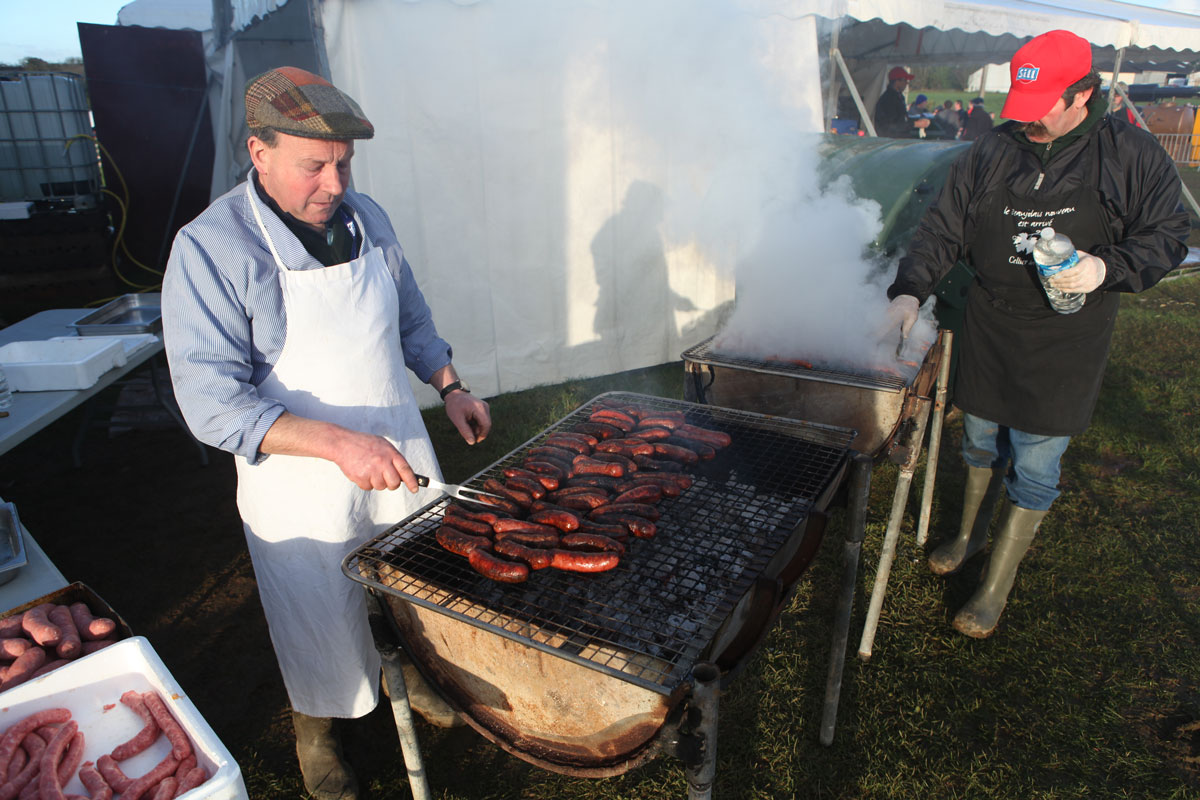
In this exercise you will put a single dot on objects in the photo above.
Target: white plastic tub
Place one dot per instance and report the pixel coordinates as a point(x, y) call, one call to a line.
point(91, 688)
point(51, 365)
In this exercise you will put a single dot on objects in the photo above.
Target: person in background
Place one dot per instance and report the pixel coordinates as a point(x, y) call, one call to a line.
point(1120, 108)
point(979, 121)
point(1028, 377)
point(291, 318)
point(919, 107)
point(891, 114)
point(949, 119)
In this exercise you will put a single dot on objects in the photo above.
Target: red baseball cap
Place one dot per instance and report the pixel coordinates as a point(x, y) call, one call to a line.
point(898, 73)
point(1041, 71)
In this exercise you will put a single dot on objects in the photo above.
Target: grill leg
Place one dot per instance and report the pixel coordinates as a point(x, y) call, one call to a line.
point(706, 690)
point(860, 490)
point(888, 552)
point(418, 780)
point(935, 440)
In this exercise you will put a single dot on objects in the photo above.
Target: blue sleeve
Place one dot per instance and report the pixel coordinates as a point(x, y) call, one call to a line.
point(207, 335)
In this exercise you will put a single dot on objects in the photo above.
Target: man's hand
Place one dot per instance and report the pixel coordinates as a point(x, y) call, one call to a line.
point(470, 415)
point(901, 313)
point(921, 123)
point(1086, 276)
point(372, 462)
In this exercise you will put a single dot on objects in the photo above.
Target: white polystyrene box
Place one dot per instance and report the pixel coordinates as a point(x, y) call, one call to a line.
point(50, 365)
point(91, 688)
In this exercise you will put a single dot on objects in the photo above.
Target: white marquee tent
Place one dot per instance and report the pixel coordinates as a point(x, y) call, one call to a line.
point(574, 182)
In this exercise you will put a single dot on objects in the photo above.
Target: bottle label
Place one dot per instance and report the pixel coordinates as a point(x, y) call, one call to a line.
point(1046, 270)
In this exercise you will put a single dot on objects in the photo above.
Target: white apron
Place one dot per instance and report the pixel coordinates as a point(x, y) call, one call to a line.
point(341, 362)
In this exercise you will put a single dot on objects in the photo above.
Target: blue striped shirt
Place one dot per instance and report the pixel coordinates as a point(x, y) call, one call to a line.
point(224, 324)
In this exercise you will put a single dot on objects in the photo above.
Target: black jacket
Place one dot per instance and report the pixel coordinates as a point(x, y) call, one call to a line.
point(979, 122)
point(1139, 190)
point(891, 115)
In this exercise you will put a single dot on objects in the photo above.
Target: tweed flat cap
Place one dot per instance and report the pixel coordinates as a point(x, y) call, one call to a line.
point(297, 102)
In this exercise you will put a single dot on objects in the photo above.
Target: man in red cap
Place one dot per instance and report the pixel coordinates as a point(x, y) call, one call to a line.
point(891, 112)
point(1028, 376)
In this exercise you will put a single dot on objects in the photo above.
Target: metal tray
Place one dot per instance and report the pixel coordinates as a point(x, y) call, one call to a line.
point(129, 313)
point(12, 543)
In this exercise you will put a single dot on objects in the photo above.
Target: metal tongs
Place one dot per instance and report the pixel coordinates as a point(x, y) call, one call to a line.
point(455, 490)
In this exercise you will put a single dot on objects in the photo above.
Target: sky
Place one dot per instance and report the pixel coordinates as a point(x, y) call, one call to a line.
point(46, 28)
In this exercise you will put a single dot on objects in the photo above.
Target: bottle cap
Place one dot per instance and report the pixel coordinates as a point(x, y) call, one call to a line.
point(1047, 233)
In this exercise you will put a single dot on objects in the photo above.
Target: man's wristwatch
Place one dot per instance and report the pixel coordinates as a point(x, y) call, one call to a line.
point(450, 387)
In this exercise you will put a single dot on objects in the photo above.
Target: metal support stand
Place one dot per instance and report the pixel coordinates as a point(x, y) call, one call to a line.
point(389, 652)
point(856, 528)
point(935, 440)
point(706, 691)
point(888, 552)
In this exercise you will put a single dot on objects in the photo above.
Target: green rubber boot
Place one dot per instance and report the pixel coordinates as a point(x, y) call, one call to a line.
point(319, 749)
point(979, 501)
point(979, 616)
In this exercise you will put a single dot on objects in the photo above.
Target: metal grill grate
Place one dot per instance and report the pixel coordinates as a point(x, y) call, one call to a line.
point(648, 620)
point(704, 353)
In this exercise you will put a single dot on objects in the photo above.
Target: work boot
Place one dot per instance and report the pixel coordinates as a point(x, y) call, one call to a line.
point(979, 616)
point(319, 749)
point(979, 501)
point(423, 698)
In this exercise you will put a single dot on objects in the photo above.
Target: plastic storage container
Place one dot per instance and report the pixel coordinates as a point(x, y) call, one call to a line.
point(40, 158)
point(52, 365)
point(91, 688)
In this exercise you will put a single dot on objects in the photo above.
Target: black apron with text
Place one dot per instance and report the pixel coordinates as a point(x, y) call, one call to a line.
point(1022, 364)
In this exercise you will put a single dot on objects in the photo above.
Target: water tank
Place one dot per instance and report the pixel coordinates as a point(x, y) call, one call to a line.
point(40, 157)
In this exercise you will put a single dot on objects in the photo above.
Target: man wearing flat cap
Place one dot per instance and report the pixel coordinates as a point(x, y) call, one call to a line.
point(1029, 376)
point(291, 318)
point(891, 112)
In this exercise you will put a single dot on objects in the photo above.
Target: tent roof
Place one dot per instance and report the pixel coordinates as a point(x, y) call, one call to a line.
point(975, 32)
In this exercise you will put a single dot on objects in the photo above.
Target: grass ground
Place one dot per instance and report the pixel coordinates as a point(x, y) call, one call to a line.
point(1088, 689)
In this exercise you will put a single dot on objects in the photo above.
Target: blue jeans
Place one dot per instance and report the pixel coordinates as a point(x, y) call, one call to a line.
point(1032, 480)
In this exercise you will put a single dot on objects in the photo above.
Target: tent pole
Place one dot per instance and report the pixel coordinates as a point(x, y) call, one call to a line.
point(1116, 78)
point(862, 110)
point(831, 105)
point(983, 81)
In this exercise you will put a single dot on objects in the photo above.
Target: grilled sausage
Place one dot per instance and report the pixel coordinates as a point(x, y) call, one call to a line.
point(579, 436)
point(626, 447)
point(459, 542)
point(584, 500)
point(535, 557)
point(610, 416)
point(654, 434)
point(648, 464)
point(713, 438)
point(584, 465)
point(661, 420)
point(675, 453)
point(548, 482)
point(546, 468)
point(668, 487)
point(574, 489)
point(582, 561)
point(531, 486)
point(522, 499)
point(509, 507)
point(577, 446)
point(704, 451)
point(600, 430)
point(496, 568)
point(564, 470)
point(611, 530)
point(647, 493)
point(560, 518)
point(466, 526)
point(486, 517)
point(594, 542)
point(520, 526)
point(638, 526)
point(557, 453)
point(606, 482)
point(616, 458)
point(548, 538)
point(640, 509)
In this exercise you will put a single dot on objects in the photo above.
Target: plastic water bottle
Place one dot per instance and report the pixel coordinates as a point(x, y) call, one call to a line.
point(5, 395)
point(1054, 252)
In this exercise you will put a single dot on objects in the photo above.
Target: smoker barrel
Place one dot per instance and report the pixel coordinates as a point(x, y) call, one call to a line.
point(582, 673)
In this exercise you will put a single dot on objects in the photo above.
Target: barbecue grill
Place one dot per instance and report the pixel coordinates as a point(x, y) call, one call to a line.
point(890, 415)
point(588, 674)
